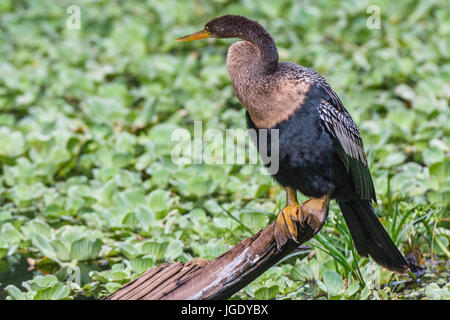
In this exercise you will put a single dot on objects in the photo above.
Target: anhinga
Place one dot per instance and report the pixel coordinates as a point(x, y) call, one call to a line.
point(321, 152)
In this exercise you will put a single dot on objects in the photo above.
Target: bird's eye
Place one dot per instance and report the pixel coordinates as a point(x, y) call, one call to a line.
point(206, 28)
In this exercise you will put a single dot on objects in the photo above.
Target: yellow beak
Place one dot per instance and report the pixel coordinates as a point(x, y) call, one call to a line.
point(195, 36)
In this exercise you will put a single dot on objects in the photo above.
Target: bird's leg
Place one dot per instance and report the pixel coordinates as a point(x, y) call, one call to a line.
point(286, 223)
point(312, 213)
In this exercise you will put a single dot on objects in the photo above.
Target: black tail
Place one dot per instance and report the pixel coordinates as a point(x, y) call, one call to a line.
point(369, 235)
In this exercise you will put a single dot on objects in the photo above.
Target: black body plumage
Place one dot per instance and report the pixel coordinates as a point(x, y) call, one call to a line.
point(308, 160)
point(321, 153)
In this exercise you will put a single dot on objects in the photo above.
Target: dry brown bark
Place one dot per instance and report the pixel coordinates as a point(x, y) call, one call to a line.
point(200, 279)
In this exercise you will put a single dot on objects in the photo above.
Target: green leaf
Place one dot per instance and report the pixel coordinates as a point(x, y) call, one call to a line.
point(3, 252)
point(104, 110)
point(213, 249)
point(365, 293)
point(141, 265)
point(62, 251)
point(155, 249)
point(12, 144)
point(174, 250)
point(43, 282)
point(85, 249)
point(10, 234)
point(36, 227)
point(433, 155)
point(394, 159)
point(130, 220)
point(440, 173)
point(14, 293)
point(405, 92)
point(159, 202)
point(128, 250)
point(333, 282)
point(44, 246)
point(58, 291)
point(302, 272)
point(145, 217)
point(254, 220)
point(265, 293)
point(352, 289)
point(112, 286)
point(433, 291)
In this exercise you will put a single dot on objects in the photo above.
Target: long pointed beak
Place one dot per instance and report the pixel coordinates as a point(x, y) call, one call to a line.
point(203, 34)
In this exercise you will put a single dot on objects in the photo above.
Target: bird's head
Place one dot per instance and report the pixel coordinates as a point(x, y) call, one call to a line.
point(229, 26)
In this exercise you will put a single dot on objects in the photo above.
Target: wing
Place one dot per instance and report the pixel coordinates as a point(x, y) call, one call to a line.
point(340, 126)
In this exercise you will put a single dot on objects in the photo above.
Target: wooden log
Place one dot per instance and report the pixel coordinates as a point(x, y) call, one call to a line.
point(200, 279)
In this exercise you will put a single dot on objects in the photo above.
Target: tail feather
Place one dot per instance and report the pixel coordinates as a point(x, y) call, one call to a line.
point(369, 235)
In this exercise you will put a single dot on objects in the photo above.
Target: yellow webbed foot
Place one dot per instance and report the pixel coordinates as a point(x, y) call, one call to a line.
point(311, 213)
point(286, 224)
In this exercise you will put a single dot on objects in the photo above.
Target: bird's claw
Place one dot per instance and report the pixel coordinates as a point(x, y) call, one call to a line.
point(286, 225)
point(309, 217)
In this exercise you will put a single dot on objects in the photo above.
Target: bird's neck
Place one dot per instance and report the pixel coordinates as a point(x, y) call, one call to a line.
point(268, 53)
point(252, 64)
point(250, 79)
point(244, 66)
point(250, 59)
